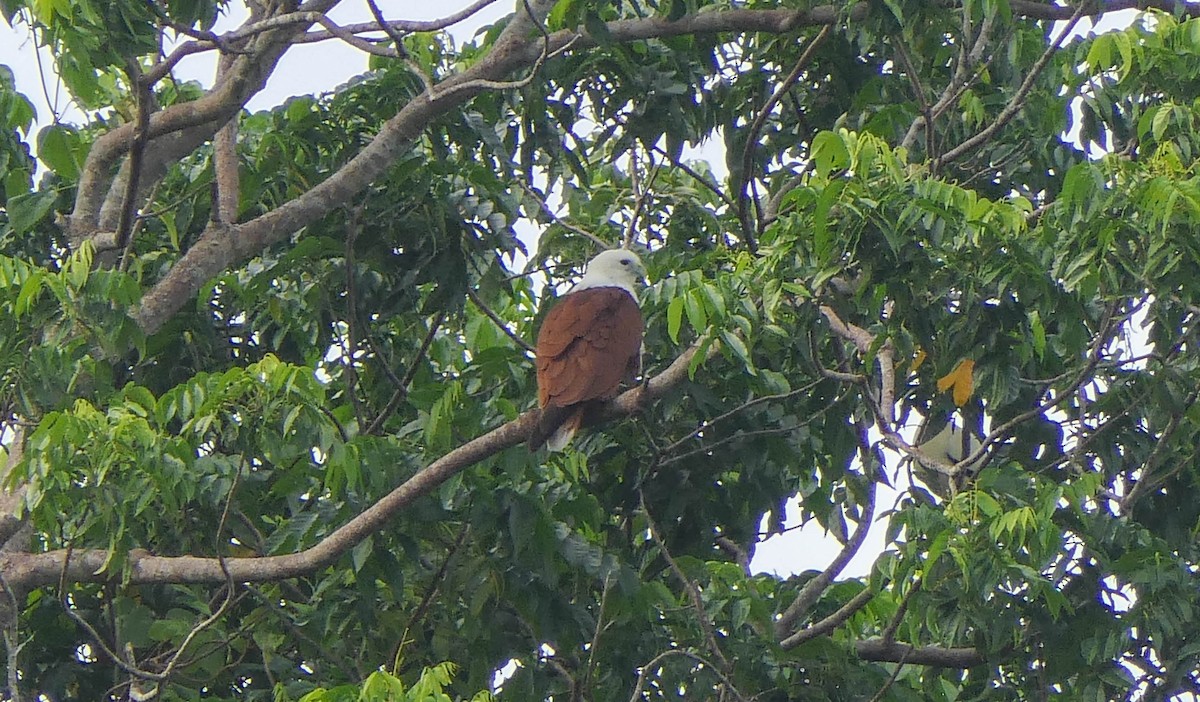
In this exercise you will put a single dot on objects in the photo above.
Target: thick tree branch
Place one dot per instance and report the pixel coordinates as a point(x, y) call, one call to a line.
point(225, 171)
point(896, 652)
point(247, 75)
point(23, 570)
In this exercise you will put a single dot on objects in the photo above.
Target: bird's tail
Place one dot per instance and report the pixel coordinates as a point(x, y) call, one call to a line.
point(555, 427)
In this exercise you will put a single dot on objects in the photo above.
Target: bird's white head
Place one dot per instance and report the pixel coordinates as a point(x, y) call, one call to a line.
point(618, 268)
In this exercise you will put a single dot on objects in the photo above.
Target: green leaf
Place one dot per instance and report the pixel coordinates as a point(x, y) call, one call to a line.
point(26, 210)
point(821, 236)
point(557, 19)
point(597, 29)
point(675, 318)
point(735, 344)
point(1162, 119)
point(693, 305)
point(829, 154)
point(1039, 333)
point(60, 148)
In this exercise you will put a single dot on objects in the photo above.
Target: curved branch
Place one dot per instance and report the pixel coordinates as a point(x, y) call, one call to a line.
point(644, 671)
point(833, 621)
point(813, 589)
point(693, 592)
point(24, 570)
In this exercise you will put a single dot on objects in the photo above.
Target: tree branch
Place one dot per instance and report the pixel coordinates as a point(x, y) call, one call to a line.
point(833, 621)
point(896, 652)
point(1018, 100)
point(813, 589)
point(750, 230)
point(25, 570)
point(693, 592)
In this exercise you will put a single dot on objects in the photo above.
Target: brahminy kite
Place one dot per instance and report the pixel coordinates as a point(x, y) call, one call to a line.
point(590, 342)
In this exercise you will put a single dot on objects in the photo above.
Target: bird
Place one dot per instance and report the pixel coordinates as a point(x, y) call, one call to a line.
point(949, 446)
point(590, 342)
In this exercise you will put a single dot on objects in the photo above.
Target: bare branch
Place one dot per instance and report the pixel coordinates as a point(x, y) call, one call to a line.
point(833, 621)
point(644, 671)
point(896, 652)
point(708, 183)
point(137, 149)
point(708, 424)
point(431, 592)
point(487, 311)
point(889, 631)
point(864, 341)
point(813, 589)
point(545, 207)
point(402, 384)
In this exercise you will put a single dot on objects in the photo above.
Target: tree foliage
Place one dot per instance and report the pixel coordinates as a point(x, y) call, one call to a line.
point(266, 375)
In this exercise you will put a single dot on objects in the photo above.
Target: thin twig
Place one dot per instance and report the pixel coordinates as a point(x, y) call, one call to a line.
point(354, 226)
point(230, 586)
point(706, 625)
point(133, 165)
point(474, 298)
point(889, 632)
point(1150, 481)
point(555, 218)
point(919, 90)
point(387, 28)
point(708, 183)
point(743, 201)
point(710, 423)
point(741, 436)
point(434, 585)
point(644, 671)
point(878, 696)
point(641, 194)
point(402, 386)
point(348, 33)
point(1018, 100)
point(590, 669)
point(94, 635)
point(486, 84)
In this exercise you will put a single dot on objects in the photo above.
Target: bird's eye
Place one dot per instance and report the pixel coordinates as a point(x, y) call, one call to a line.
point(626, 261)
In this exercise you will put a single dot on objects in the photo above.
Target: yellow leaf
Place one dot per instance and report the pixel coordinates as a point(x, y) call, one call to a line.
point(918, 360)
point(962, 379)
